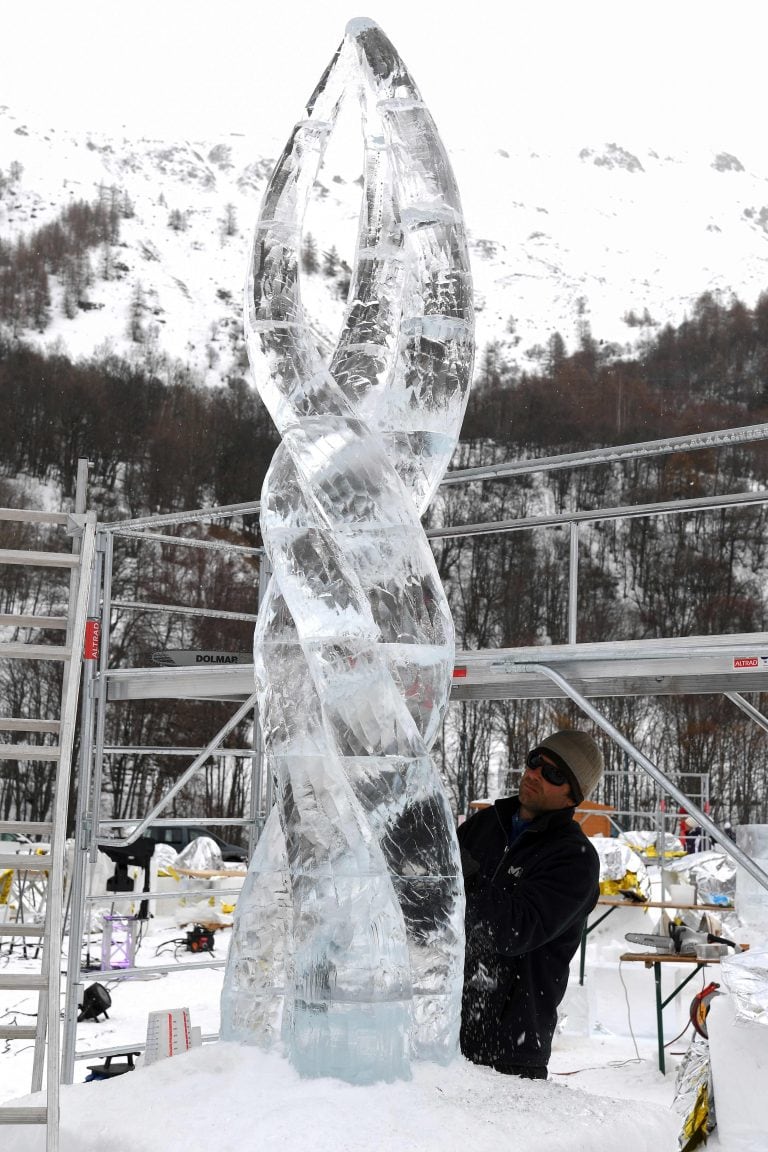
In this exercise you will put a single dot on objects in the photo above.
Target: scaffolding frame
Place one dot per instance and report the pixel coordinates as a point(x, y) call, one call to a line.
point(93, 830)
point(48, 861)
point(575, 670)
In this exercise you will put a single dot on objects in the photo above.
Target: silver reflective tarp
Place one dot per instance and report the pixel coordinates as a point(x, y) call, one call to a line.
point(201, 855)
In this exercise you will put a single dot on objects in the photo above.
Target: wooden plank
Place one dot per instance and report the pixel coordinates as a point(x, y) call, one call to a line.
point(27, 724)
point(33, 516)
point(24, 862)
point(28, 930)
point(649, 958)
point(34, 652)
point(16, 982)
point(210, 873)
point(17, 1115)
point(27, 827)
point(610, 902)
point(13, 620)
point(29, 752)
point(39, 559)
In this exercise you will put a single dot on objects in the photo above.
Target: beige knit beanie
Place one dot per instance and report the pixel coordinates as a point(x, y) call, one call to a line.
point(581, 754)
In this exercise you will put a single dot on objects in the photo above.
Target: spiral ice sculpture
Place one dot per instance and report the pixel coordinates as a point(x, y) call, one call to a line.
point(348, 943)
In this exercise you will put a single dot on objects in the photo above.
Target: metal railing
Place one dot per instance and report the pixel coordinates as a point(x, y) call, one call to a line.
point(95, 703)
point(91, 828)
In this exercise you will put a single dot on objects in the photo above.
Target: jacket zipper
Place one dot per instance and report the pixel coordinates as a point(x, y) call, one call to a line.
point(506, 850)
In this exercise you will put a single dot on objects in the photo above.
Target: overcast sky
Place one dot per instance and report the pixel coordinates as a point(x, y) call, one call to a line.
point(635, 71)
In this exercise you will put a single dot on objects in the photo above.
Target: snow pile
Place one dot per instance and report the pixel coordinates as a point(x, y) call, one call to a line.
point(605, 1090)
point(225, 1096)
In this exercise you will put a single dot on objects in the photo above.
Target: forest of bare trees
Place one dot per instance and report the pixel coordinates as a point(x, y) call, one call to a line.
point(64, 249)
point(164, 444)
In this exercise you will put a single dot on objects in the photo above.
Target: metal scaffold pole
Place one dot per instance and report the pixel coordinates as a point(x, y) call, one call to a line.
point(693, 809)
point(82, 835)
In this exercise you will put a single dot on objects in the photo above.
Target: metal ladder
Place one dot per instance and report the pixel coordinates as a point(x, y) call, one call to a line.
point(47, 866)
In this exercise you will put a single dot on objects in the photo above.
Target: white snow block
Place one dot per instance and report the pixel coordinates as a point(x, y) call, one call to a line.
point(739, 1056)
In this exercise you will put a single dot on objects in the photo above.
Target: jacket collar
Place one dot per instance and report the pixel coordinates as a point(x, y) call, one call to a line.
point(509, 806)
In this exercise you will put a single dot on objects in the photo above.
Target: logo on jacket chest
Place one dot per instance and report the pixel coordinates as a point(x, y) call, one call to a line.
point(515, 871)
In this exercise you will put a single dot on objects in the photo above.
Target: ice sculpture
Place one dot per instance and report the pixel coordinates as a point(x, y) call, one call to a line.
point(348, 943)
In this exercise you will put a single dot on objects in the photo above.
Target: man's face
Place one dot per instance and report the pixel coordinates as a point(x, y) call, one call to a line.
point(538, 795)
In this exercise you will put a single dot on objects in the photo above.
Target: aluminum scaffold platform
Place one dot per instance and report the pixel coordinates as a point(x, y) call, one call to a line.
point(576, 671)
point(50, 741)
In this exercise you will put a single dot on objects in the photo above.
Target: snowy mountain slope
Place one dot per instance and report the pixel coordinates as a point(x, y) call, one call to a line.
point(649, 232)
point(559, 238)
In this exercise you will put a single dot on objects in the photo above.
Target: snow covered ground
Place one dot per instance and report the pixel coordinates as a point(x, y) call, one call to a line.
point(605, 1090)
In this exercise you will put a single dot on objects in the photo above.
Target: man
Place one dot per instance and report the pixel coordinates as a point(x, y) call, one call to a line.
point(531, 878)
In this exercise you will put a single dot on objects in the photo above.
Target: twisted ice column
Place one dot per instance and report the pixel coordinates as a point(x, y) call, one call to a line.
point(349, 936)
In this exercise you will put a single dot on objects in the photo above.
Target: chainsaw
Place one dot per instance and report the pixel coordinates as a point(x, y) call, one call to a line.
point(681, 941)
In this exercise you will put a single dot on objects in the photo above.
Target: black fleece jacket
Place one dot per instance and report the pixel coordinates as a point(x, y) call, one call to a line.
point(526, 906)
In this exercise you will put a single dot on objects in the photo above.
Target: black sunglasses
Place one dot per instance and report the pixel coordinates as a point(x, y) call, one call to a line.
point(557, 773)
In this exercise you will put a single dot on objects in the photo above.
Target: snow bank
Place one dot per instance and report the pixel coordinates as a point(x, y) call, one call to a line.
point(225, 1096)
